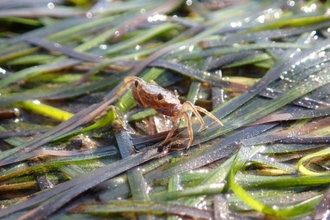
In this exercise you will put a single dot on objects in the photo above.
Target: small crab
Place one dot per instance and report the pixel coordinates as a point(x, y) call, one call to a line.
point(166, 103)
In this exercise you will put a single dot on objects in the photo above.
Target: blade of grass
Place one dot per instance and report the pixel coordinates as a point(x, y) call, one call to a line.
point(305, 171)
point(46, 110)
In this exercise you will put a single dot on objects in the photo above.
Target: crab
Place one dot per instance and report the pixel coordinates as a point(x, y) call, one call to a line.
point(165, 102)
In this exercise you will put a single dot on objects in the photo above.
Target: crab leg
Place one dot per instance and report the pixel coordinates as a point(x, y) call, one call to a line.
point(127, 83)
point(208, 114)
point(188, 105)
point(171, 132)
point(190, 130)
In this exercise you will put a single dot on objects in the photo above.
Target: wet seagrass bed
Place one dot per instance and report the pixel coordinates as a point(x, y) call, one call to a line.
point(261, 67)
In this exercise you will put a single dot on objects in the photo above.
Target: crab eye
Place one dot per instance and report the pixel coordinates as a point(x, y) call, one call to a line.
point(136, 83)
point(160, 96)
